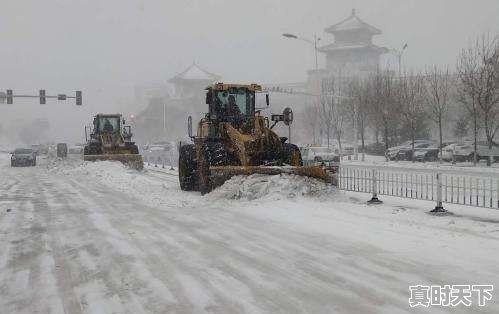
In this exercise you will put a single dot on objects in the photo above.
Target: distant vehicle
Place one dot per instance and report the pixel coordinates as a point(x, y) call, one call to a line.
point(158, 153)
point(111, 139)
point(62, 150)
point(23, 157)
point(318, 155)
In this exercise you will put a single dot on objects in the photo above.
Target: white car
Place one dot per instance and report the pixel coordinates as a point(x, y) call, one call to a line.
point(465, 152)
point(318, 155)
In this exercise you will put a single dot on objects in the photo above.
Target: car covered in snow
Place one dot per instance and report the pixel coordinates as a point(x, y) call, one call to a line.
point(23, 157)
point(319, 155)
point(466, 152)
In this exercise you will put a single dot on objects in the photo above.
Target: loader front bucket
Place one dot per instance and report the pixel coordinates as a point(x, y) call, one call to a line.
point(219, 174)
point(133, 161)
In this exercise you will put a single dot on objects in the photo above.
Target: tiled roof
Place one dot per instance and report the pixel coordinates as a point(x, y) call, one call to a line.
point(353, 22)
point(194, 72)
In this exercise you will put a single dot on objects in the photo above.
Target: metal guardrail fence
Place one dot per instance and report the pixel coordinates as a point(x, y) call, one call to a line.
point(439, 185)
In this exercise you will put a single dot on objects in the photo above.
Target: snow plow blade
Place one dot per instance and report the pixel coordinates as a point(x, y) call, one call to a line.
point(133, 161)
point(220, 174)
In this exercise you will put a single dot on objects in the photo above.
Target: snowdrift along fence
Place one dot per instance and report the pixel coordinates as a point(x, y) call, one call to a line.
point(444, 185)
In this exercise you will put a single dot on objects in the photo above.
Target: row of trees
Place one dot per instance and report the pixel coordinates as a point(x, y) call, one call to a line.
point(408, 107)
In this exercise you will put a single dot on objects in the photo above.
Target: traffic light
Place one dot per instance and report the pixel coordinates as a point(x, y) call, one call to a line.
point(78, 98)
point(43, 100)
point(10, 99)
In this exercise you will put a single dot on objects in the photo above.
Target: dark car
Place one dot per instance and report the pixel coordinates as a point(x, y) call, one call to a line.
point(426, 154)
point(406, 153)
point(23, 157)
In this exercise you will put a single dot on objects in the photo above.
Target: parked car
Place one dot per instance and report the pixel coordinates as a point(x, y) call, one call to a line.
point(448, 150)
point(426, 154)
point(392, 152)
point(405, 153)
point(466, 152)
point(23, 157)
point(377, 149)
point(318, 155)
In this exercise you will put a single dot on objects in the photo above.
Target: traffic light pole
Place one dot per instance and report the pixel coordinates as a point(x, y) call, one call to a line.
point(42, 96)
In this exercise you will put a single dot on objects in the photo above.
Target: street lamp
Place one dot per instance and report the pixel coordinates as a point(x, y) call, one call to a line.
point(399, 53)
point(312, 42)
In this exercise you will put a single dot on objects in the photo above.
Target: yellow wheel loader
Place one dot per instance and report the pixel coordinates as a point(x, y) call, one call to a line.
point(111, 139)
point(235, 139)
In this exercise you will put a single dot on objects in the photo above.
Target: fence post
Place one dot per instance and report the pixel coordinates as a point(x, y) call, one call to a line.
point(374, 189)
point(439, 208)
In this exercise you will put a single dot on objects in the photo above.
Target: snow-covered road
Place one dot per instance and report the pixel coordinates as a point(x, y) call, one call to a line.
point(98, 238)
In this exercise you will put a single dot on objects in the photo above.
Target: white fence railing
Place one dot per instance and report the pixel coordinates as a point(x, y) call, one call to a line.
point(440, 185)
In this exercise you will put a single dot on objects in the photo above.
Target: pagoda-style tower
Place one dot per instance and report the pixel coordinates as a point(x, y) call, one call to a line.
point(192, 81)
point(353, 51)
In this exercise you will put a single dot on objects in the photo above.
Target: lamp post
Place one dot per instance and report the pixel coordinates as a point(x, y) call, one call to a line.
point(311, 42)
point(399, 54)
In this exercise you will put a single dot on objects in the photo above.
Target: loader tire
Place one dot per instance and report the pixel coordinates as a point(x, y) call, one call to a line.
point(187, 167)
point(210, 154)
point(291, 155)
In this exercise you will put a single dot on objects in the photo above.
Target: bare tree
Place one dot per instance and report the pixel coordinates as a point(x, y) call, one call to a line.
point(479, 85)
point(358, 107)
point(438, 86)
point(339, 111)
point(333, 110)
point(326, 115)
point(312, 120)
point(381, 91)
point(328, 90)
point(411, 93)
point(461, 127)
point(363, 113)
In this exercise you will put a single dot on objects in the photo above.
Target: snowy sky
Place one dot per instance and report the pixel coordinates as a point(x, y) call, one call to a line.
point(104, 47)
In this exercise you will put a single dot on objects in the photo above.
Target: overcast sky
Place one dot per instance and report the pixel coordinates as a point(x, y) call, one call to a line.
point(104, 47)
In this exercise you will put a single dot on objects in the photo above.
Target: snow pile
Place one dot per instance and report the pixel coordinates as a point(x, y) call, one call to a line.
point(153, 187)
point(276, 187)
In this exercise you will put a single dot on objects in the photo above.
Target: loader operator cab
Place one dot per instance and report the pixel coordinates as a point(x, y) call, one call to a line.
point(232, 103)
point(107, 123)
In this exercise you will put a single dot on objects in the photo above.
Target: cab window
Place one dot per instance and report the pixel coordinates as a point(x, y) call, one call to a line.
point(242, 97)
